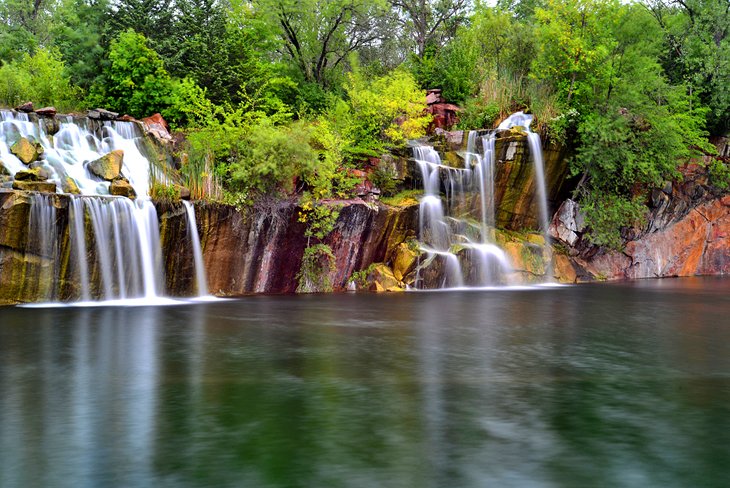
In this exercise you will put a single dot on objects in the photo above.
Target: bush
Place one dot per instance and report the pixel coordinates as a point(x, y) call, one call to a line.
point(40, 78)
point(318, 262)
point(384, 112)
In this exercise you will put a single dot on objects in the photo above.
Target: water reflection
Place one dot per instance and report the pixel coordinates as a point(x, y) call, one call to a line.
point(629, 385)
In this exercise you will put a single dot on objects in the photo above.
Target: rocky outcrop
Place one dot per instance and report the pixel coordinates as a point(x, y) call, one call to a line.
point(696, 244)
point(39, 186)
point(261, 251)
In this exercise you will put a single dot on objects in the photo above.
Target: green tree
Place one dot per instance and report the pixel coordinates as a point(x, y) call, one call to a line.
point(574, 40)
point(429, 22)
point(40, 78)
point(697, 51)
point(26, 25)
point(639, 130)
point(80, 36)
point(136, 81)
point(317, 36)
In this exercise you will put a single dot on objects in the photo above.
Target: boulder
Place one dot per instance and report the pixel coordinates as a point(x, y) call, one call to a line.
point(51, 126)
point(26, 151)
point(46, 111)
point(40, 186)
point(122, 188)
point(26, 107)
point(32, 174)
point(101, 114)
point(404, 261)
point(4, 171)
point(381, 278)
point(157, 126)
point(109, 166)
point(568, 223)
point(184, 192)
point(68, 185)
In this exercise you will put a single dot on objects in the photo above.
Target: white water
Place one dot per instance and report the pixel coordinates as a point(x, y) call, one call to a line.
point(115, 242)
point(200, 279)
point(445, 232)
point(77, 143)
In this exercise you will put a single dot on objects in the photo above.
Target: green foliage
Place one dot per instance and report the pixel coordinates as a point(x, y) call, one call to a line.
point(136, 82)
point(360, 278)
point(574, 39)
point(164, 193)
point(383, 180)
point(40, 78)
point(720, 174)
point(403, 199)
point(80, 37)
point(382, 112)
point(697, 53)
point(318, 262)
point(607, 214)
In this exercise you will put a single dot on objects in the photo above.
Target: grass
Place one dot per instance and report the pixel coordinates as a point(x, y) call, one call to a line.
point(406, 198)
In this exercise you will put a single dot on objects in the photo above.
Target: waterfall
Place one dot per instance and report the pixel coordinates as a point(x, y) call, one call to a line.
point(458, 232)
point(43, 243)
point(127, 259)
point(200, 279)
point(113, 248)
point(520, 119)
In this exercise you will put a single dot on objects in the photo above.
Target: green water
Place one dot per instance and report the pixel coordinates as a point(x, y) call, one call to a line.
point(600, 385)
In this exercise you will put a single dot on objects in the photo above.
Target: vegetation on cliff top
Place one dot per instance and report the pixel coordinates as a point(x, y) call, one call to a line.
point(291, 96)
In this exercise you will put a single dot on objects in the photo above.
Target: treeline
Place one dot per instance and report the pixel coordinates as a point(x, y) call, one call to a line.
point(285, 95)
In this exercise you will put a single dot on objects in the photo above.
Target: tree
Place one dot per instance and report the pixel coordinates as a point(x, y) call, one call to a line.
point(135, 81)
point(26, 24)
point(317, 36)
point(574, 40)
point(80, 36)
point(429, 22)
point(639, 130)
point(697, 52)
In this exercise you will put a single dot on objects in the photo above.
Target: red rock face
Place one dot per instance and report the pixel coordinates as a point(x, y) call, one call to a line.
point(697, 244)
point(261, 252)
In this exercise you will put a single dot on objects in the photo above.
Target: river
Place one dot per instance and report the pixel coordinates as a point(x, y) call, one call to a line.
point(620, 385)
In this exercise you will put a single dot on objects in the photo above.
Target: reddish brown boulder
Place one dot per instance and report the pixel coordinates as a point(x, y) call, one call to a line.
point(46, 111)
point(26, 107)
point(157, 126)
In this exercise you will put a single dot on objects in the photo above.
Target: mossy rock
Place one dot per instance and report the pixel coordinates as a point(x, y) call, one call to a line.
point(32, 174)
point(4, 171)
point(26, 150)
point(122, 188)
point(109, 166)
point(68, 185)
point(381, 279)
point(405, 260)
point(39, 186)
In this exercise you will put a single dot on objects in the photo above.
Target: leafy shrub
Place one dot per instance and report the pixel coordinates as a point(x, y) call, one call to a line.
point(165, 193)
point(383, 180)
point(383, 112)
point(40, 78)
point(318, 262)
point(135, 82)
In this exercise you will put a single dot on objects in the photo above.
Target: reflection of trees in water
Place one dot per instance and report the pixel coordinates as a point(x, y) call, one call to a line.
point(549, 387)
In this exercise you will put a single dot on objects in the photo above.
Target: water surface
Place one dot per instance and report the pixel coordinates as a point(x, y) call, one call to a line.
point(596, 385)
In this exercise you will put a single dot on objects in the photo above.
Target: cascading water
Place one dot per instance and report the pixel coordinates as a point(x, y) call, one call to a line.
point(200, 279)
point(114, 241)
point(460, 233)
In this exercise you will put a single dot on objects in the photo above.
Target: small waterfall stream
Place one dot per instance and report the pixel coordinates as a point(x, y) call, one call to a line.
point(114, 241)
point(461, 234)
